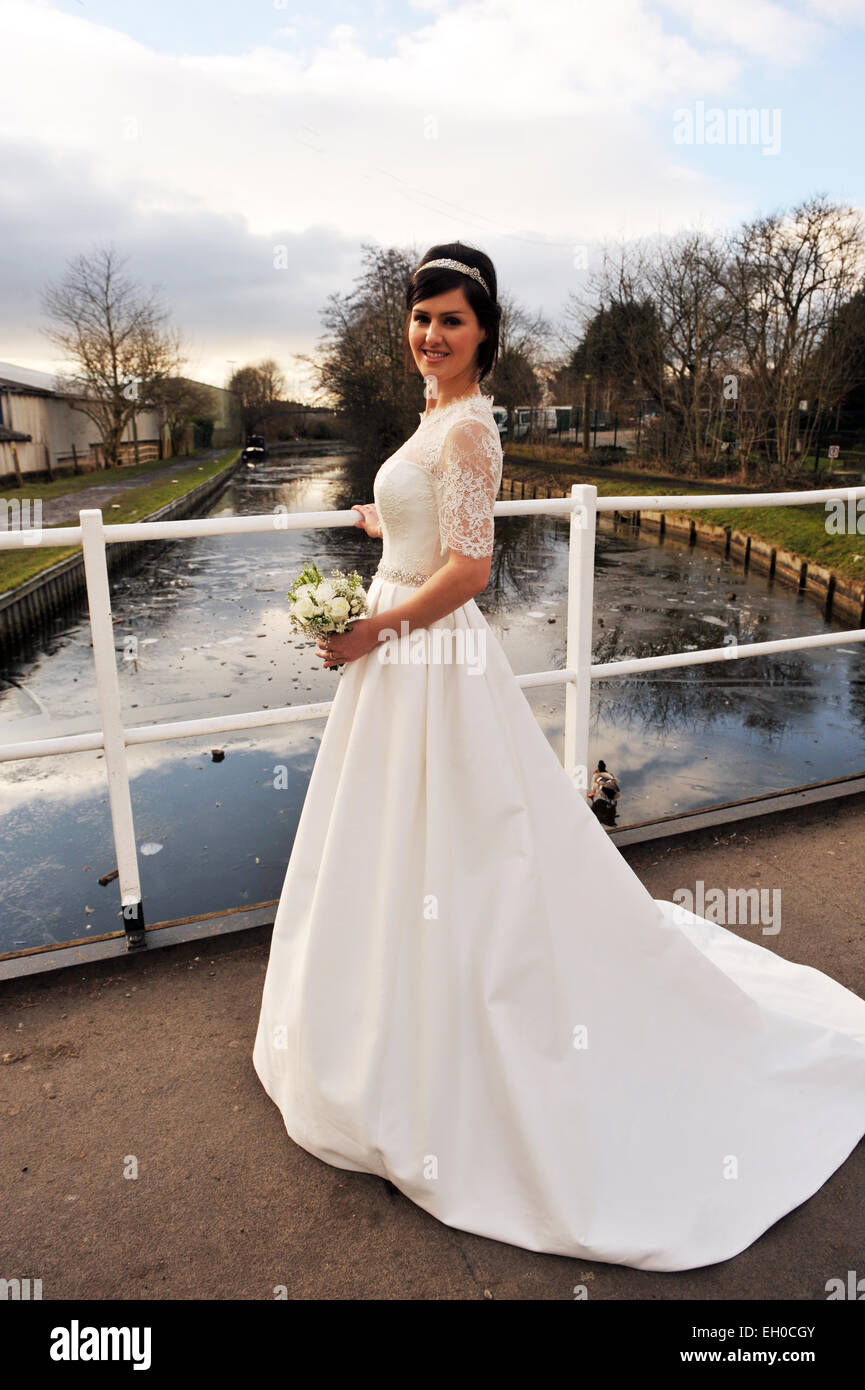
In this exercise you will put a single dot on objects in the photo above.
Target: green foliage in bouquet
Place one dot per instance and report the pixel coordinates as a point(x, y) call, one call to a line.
point(320, 605)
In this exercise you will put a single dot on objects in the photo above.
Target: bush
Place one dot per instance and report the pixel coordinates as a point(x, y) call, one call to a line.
point(606, 453)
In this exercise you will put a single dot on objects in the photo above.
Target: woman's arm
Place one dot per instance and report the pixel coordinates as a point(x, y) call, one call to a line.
point(458, 580)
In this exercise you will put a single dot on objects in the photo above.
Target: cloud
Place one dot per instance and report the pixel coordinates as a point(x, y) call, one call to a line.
point(841, 11)
point(527, 129)
point(216, 278)
point(758, 28)
point(482, 94)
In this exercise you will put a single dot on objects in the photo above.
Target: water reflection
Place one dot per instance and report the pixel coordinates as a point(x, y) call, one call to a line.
point(203, 627)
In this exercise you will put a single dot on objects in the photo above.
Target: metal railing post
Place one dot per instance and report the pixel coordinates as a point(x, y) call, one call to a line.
point(581, 576)
point(113, 734)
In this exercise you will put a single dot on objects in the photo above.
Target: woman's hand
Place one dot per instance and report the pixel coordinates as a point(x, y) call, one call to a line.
point(337, 648)
point(369, 519)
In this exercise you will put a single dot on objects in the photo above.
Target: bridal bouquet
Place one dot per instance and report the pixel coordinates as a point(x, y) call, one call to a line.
point(320, 605)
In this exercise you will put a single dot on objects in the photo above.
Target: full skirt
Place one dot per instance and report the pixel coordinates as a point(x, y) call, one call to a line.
point(470, 993)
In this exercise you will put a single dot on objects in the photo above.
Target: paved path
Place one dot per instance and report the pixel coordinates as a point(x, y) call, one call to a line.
point(57, 511)
point(151, 1057)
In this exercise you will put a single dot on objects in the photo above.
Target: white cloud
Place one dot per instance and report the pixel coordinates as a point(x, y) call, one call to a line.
point(526, 128)
point(842, 11)
point(217, 280)
point(756, 27)
point(369, 144)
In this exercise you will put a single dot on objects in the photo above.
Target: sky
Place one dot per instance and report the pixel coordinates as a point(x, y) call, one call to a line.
point(238, 155)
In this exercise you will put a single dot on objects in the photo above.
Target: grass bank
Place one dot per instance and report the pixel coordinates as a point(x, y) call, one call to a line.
point(800, 529)
point(126, 504)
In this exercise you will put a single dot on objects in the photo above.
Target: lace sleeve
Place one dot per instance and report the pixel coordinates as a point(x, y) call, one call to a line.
point(469, 472)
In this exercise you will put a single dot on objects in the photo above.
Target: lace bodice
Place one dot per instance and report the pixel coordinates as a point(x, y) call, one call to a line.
point(436, 493)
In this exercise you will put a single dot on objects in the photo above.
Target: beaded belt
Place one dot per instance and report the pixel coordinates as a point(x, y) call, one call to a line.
point(400, 576)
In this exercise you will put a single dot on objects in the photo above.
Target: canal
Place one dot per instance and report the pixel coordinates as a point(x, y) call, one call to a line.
point(202, 629)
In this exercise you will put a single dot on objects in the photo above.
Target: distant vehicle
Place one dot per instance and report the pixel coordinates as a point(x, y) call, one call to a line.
point(543, 419)
point(598, 419)
point(522, 420)
point(644, 410)
point(500, 415)
point(255, 449)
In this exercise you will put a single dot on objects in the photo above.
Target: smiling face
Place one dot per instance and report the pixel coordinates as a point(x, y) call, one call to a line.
point(444, 335)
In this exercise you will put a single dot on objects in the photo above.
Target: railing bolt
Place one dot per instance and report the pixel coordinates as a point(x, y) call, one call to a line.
point(133, 925)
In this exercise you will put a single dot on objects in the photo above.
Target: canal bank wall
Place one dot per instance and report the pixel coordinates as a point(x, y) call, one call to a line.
point(836, 594)
point(32, 606)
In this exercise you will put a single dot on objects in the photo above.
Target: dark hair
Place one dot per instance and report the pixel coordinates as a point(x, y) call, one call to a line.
point(426, 284)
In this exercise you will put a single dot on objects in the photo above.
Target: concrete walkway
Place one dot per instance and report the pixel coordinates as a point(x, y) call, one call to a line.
point(57, 511)
point(148, 1062)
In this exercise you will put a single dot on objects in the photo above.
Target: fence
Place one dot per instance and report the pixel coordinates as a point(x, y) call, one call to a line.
point(582, 507)
point(129, 453)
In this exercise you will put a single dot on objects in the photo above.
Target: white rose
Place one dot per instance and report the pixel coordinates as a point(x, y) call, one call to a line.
point(339, 609)
point(325, 591)
point(304, 607)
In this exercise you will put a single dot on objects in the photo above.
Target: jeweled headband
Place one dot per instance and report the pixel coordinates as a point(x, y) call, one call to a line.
point(448, 264)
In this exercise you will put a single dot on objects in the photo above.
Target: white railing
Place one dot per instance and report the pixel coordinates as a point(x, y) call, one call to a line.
point(582, 506)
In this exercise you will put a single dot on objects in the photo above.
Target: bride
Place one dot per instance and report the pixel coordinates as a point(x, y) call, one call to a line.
point(469, 992)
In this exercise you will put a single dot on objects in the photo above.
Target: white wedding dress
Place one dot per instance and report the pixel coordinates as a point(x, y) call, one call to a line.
point(469, 991)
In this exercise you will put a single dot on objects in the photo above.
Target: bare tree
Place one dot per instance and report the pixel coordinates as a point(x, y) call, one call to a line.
point(523, 367)
point(730, 335)
point(789, 277)
point(116, 338)
point(361, 368)
point(259, 389)
point(666, 327)
point(686, 287)
point(179, 402)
